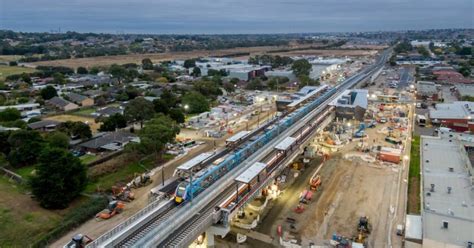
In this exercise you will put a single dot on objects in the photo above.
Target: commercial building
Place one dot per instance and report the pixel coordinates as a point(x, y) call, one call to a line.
point(281, 73)
point(427, 90)
point(457, 115)
point(447, 213)
point(352, 104)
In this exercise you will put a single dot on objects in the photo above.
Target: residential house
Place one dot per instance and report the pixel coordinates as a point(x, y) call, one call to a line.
point(61, 104)
point(83, 101)
point(112, 141)
point(44, 125)
point(108, 111)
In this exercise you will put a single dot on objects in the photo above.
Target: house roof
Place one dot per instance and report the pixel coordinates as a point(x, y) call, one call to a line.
point(77, 98)
point(43, 123)
point(58, 102)
point(109, 138)
point(109, 111)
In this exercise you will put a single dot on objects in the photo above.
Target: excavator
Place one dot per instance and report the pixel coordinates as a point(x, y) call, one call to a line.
point(114, 207)
point(122, 194)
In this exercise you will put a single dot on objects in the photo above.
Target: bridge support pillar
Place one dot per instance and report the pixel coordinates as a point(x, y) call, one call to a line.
point(210, 239)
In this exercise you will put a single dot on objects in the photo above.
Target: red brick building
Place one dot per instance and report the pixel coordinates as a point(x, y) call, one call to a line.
point(457, 115)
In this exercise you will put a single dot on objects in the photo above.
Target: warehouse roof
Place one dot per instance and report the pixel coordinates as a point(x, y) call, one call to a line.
point(426, 88)
point(445, 168)
point(455, 110)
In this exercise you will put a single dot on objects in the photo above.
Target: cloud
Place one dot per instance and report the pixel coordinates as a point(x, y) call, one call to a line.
point(233, 16)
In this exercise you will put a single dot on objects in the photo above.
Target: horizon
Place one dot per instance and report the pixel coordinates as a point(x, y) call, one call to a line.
point(233, 17)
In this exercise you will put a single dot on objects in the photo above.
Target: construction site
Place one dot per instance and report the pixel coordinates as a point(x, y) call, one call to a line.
point(342, 190)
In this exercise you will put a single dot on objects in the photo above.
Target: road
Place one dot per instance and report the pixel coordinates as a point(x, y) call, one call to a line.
point(405, 78)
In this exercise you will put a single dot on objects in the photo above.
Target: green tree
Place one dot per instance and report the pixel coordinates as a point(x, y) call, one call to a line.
point(196, 102)
point(25, 146)
point(301, 67)
point(177, 115)
point(82, 70)
point(208, 88)
point(76, 129)
point(189, 63)
point(58, 78)
point(139, 110)
point(26, 78)
point(160, 106)
point(48, 92)
point(307, 81)
point(196, 72)
point(10, 114)
point(156, 133)
point(113, 122)
point(254, 84)
point(229, 87)
point(423, 51)
point(147, 64)
point(60, 178)
point(58, 139)
point(169, 98)
point(118, 72)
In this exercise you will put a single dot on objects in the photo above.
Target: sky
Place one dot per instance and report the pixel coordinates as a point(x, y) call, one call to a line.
point(233, 16)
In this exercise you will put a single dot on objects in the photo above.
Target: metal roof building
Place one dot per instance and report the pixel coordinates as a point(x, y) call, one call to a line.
point(447, 193)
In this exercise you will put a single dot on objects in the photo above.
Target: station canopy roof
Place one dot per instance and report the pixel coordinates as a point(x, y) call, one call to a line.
point(194, 161)
point(251, 173)
point(285, 144)
point(238, 136)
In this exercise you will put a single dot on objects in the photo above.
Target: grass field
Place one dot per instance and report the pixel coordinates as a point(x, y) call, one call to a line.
point(414, 177)
point(88, 158)
point(68, 117)
point(22, 220)
point(6, 71)
point(157, 57)
point(8, 58)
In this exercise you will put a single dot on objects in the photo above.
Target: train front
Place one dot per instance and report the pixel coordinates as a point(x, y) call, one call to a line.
point(180, 193)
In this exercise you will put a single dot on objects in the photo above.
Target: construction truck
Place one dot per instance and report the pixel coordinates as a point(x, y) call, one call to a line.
point(114, 207)
point(141, 180)
point(78, 241)
point(122, 194)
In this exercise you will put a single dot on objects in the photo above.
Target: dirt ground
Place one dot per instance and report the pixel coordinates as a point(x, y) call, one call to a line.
point(63, 118)
point(157, 57)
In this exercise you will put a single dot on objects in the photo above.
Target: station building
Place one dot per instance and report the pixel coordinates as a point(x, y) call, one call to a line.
point(352, 104)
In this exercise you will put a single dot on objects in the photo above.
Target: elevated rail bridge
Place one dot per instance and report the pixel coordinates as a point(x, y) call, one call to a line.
point(163, 223)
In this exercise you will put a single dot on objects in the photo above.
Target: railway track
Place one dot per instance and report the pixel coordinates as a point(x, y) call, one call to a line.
point(185, 233)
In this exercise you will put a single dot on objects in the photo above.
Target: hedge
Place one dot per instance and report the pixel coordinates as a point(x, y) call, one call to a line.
point(73, 219)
